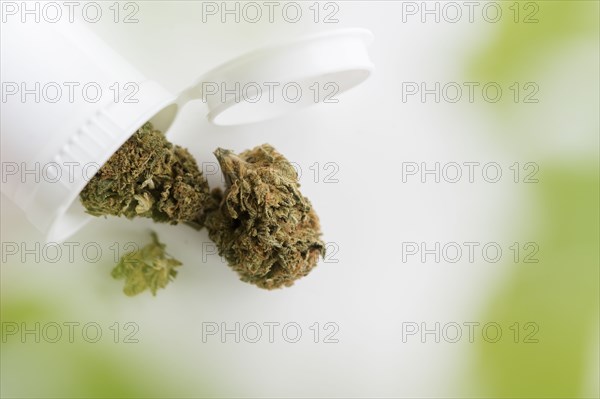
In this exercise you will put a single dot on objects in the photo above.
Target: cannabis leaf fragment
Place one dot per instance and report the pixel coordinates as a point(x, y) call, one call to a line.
point(150, 267)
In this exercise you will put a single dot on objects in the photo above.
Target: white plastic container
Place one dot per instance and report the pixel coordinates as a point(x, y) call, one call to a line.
point(52, 145)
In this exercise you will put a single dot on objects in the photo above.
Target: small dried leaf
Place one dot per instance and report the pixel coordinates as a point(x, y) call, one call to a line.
point(149, 268)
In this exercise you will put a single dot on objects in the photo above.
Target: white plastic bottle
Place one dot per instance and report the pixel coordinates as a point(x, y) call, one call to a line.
point(69, 102)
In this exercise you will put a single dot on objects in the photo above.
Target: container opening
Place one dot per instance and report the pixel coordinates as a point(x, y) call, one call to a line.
point(73, 217)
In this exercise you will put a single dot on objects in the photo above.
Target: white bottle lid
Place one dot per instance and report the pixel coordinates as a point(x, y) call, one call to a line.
point(338, 58)
point(50, 150)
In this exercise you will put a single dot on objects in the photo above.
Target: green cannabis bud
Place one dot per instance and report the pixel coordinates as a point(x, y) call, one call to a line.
point(150, 267)
point(149, 177)
point(266, 230)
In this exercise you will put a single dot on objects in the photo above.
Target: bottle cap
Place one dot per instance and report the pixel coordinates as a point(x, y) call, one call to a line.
point(274, 80)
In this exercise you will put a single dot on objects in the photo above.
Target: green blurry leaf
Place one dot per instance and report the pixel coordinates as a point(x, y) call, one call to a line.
point(559, 294)
point(522, 46)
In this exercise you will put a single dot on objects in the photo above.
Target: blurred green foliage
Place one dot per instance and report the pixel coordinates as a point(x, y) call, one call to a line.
point(77, 369)
point(521, 47)
point(560, 293)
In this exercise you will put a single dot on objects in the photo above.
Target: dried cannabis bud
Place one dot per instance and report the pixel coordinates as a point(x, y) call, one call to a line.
point(151, 267)
point(149, 177)
point(264, 227)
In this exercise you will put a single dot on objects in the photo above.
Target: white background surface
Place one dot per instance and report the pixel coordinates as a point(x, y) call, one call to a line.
point(368, 292)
